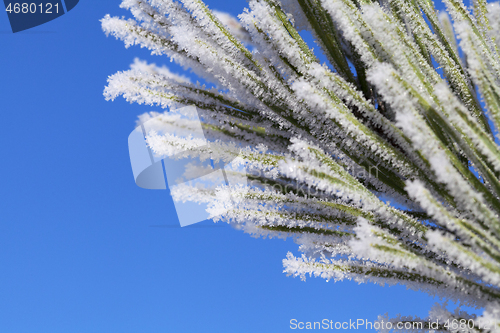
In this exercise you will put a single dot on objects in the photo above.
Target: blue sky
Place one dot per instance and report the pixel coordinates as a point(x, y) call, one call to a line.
point(83, 249)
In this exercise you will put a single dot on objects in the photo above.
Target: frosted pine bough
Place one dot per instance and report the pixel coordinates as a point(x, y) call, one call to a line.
point(382, 163)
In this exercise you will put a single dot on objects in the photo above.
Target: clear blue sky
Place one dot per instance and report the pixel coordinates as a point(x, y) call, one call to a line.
point(78, 249)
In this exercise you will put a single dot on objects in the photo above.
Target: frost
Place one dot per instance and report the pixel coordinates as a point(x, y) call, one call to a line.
point(382, 163)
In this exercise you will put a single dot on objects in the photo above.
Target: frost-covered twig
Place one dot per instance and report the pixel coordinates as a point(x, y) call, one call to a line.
point(383, 162)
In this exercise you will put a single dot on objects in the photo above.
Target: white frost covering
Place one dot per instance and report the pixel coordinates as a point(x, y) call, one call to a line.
point(388, 173)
